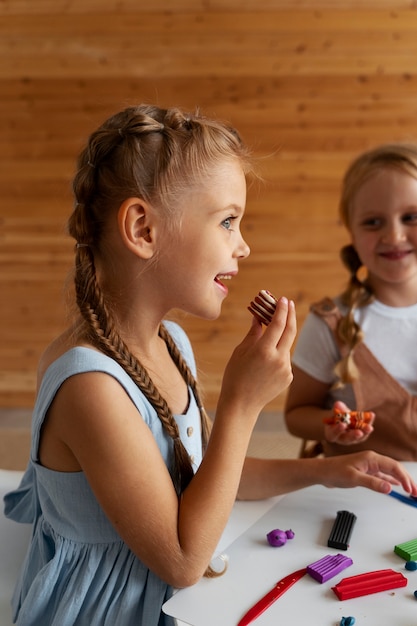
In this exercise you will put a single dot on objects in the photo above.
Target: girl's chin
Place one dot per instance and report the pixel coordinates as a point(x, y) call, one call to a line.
point(206, 313)
point(211, 315)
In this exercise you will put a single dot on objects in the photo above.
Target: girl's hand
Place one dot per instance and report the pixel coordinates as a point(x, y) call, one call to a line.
point(260, 367)
point(342, 434)
point(366, 469)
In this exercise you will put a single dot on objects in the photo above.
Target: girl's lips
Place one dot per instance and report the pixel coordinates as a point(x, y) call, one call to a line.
point(394, 255)
point(219, 278)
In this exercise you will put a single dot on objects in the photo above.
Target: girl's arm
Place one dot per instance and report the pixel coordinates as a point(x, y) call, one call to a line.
point(265, 478)
point(304, 413)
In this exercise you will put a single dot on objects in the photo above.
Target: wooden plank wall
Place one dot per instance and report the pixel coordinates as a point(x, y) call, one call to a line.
point(308, 83)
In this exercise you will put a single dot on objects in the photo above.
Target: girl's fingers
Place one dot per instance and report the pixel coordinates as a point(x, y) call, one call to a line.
point(341, 406)
point(387, 469)
point(283, 326)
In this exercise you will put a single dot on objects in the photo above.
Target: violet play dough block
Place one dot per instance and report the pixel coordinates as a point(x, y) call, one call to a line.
point(328, 566)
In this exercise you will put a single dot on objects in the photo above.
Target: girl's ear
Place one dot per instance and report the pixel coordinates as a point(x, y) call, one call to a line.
point(134, 219)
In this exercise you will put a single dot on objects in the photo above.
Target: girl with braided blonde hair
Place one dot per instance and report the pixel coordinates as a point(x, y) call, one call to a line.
point(356, 352)
point(127, 489)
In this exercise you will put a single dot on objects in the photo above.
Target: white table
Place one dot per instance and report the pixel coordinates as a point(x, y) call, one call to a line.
point(254, 566)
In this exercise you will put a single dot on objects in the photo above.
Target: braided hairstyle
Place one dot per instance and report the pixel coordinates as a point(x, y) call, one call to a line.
point(155, 154)
point(358, 293)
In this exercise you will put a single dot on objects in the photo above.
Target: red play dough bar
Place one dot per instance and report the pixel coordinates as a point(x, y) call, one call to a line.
point(263, 306)
point(371, 582)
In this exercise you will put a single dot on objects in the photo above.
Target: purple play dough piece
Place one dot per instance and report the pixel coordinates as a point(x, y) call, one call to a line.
point(277, 538)
point(328, 566)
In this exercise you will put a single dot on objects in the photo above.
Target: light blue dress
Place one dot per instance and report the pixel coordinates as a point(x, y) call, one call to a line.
point(78, 571)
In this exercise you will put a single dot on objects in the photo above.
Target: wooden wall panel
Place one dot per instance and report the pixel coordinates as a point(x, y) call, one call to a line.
point(308, 85)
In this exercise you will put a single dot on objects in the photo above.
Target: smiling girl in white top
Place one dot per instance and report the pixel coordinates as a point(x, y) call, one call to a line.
point(358, 351)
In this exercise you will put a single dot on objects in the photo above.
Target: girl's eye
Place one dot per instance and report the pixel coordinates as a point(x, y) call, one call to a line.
point(410, 218)
point(371, 223)
point(227, 223)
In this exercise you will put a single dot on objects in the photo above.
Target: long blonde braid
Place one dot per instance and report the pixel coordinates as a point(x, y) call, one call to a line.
point(100, 331)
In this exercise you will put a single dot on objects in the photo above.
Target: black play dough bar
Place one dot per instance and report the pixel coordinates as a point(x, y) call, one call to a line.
point(342, 530)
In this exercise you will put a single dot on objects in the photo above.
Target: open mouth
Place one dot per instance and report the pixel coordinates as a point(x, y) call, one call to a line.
point(220, 277)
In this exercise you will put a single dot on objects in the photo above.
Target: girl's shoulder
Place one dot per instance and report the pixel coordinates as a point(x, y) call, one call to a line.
point(79, 360)
point(56, 349)
point(329, 309)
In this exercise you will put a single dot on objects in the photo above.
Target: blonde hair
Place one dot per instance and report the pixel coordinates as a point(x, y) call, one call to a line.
point(358, 293)
point(154, 154)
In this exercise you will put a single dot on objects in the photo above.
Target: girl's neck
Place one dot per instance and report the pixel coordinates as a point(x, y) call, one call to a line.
point(396, 295)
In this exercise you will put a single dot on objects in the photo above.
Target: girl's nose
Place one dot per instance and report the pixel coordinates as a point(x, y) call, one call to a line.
point(243, 249)
point(394, 233)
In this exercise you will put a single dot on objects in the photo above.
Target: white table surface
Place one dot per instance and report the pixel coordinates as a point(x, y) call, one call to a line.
point(254, 566)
